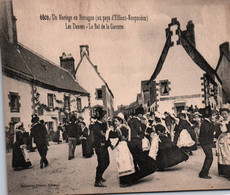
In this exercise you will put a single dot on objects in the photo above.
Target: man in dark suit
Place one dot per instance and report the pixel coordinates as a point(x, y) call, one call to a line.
point(144, 165)
point(39, 133)
point(101, 147)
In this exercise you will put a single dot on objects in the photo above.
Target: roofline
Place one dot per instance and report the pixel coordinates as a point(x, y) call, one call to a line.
point(87, 57)
point(161, 59)
point(29, 78)
point(165, 52)
point(222, 53)
point(53, 64)
point(20, 74)
point(219, 60)
point(207, 64)
point(47, 86)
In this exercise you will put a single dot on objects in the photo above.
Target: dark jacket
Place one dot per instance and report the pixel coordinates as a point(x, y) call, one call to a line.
point(207, 130)
point(39, 133)
point(99, 128)
point(73, 130)
point(183, 124)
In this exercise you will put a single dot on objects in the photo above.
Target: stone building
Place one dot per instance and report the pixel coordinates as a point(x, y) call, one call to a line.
point(33, 84)
point(100, 93)
point(182, 76)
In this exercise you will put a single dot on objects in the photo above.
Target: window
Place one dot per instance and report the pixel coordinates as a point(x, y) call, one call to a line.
point(50, 100)
point(40, 111)
point(164, 87)
point(50, 126)
point(79, 106)
point(67, 103)
point(99, 94)
point(14, 102)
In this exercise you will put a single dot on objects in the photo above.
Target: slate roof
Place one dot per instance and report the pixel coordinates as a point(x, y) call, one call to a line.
point(191, 51)
point(224, 50)
point(18, 58)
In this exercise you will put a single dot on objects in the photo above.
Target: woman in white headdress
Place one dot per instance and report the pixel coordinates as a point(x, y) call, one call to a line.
point(20, 159)
point(168, 154)
point(223, 143)
point(118, 138)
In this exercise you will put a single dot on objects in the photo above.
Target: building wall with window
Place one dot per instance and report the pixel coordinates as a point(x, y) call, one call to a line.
point(58, 106)
point(87, 76)
point(183, 77)
point(179, 83)
point(20, 109)
point(91, 82)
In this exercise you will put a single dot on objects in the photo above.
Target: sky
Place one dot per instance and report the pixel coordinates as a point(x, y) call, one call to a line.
point(126, 56)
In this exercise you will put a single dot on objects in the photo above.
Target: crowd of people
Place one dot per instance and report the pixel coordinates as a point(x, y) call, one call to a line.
point(143, 142)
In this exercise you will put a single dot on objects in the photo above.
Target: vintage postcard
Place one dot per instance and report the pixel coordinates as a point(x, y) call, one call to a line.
point(114, 96)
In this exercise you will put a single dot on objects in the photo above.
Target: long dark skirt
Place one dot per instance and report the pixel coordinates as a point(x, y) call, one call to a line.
point(189, 149)
point(144, 165)
point(128, 179)
point(57, 136)
point(223, 169)
point(87, 148)
point(169, 154)
point(18, 160)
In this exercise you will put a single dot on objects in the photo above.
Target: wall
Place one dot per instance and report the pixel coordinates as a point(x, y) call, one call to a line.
point(24, 91)
point(184, 77)
point(90, 81)
point(55, 114)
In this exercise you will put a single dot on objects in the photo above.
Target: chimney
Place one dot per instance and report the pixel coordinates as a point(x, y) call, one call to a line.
point(224, 47)
point(189, 33)
point(84, 50)
point(8, 21)
point(67, 62)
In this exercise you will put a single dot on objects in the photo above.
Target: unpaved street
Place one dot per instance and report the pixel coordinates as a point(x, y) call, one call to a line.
point(76, 176)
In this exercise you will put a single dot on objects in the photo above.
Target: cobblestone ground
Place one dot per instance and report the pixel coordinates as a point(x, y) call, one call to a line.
point(76, 176)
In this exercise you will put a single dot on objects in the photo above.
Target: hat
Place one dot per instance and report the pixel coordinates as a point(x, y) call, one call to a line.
point(120, 115)
point(197, 114)
point(73, 118)
point(139, 110)
point(100, 111)
point(19, 125)
point(225, 107)
point(35, 118)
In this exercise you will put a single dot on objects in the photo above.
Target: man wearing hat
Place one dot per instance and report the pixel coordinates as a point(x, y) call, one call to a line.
point(39, 133)
point(144, 165)
point(101, 147)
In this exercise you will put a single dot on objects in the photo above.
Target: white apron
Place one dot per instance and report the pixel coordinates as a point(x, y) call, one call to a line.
point(154, 146)
point(223, 149)
point(124, 159)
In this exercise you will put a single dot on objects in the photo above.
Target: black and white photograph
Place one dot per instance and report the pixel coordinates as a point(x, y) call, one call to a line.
point(115, 96)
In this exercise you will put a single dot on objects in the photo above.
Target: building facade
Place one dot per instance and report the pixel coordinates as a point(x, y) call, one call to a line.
point(33, 84)
point(182, 76)
point(100, 93)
